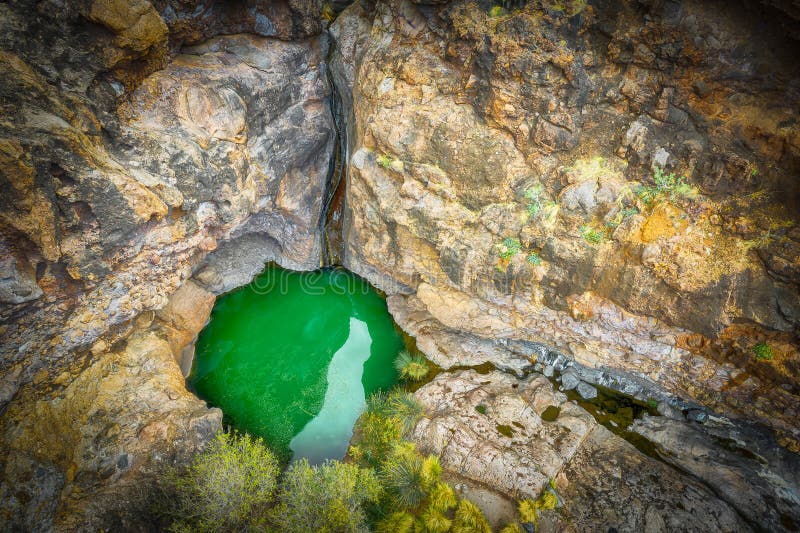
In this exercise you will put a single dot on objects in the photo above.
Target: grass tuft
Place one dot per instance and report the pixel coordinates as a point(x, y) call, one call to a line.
point(763, 351)
point(411, 367)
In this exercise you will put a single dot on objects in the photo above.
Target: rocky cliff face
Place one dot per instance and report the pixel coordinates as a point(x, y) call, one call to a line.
point(606, 191)
point(509, 185)
point(126, 167)
point(511, 181)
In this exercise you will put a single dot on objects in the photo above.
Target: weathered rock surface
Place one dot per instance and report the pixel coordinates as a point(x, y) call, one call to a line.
point(78, 448)
point(489, 430)
point(495, 186)
point(494, 173)
point(739, 462)
point(124, 165)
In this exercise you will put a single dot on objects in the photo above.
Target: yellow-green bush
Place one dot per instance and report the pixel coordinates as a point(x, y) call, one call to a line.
point(230, 486)
point(325, 499)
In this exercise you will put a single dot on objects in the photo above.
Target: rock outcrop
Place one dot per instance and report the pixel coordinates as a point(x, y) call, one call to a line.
point(127, 158)
point(516, 180)
point(491, 432)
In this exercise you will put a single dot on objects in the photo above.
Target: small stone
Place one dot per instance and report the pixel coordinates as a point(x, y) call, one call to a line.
point(651, 253)
point(99, 347)
point(666, 410)
point(548, 371)
point(123, 461)
point(697, 415)
point(586, 391)
point(660, 157)
point(570, 379)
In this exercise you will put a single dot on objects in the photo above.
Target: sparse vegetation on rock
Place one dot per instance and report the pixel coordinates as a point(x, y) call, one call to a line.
point(591, 234)
point(529, 509)
point(763, 351)
point(534, 259)
point(667, 186)
point(508, 248)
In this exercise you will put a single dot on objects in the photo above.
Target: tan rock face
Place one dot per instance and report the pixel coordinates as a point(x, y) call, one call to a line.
point(136, 24)
point(97, 433)
point(506, 183)
point(120, 182)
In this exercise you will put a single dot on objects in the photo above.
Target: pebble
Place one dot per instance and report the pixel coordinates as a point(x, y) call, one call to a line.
point(548, 371)
point(697, 415)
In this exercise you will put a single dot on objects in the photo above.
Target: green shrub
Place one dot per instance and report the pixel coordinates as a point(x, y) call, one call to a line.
point(433, 521)
point(326, 499)
point(442, 497)
point(592, 235)
point(230, 486)
point(398, 522)
point(378, 403)
point(508, 248)
point(497, 11)
point(763, 351)
point(511, 528)
point(529, 509)
point(534, 259)
point(377, 436)
point(411, 367)
point(381, 427)
point(409, 477)
point(405, 408)
point(667, 185)
point(470, 519)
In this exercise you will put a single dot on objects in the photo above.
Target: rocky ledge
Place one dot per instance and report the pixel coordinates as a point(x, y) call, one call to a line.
point(503, 438)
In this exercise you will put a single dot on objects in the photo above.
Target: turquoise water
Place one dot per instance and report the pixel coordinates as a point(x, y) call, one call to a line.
point(293, 356)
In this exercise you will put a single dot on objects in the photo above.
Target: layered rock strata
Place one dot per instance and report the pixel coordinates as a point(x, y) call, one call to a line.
point(502, 438)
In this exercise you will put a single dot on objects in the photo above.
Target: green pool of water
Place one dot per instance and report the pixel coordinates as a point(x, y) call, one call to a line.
point(292, 357)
